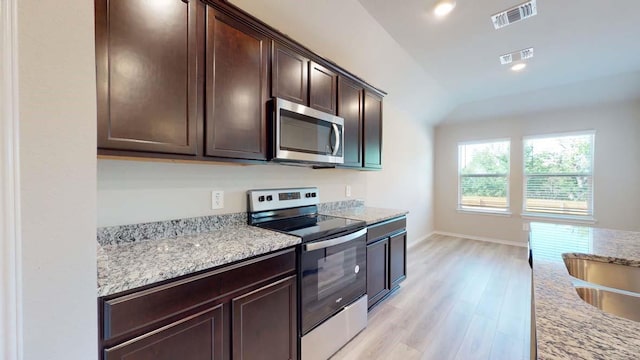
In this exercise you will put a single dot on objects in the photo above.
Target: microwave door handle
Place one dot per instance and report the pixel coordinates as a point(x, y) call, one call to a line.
point(336, 138)
point(332, 242)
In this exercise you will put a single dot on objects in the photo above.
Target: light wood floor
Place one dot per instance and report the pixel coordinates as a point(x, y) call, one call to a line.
point(462, 299)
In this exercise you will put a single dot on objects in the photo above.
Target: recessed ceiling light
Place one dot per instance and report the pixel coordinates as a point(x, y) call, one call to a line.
point(519, 67)
point(444, 7)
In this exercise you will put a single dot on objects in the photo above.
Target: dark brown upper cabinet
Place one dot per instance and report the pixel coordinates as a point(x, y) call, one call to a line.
point(323, 84)
point(237, 88)
point(289, 74)
point(372, 121)
point(191, 80)
point(147, 81)
point(350, 103)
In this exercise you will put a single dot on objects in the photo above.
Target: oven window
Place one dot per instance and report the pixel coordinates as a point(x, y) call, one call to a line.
point(329, 280)
point(335, 272)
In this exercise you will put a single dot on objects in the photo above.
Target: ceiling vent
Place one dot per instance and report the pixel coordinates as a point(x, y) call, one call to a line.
point(515, 14)
point(519, 55)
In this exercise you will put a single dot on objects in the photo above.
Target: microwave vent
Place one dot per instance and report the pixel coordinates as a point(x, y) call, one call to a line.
point(514, 14)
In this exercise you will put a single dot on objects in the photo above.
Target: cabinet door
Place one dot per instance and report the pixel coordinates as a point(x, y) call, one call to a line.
point(350, 98)
point(237, 90)
point(397, 258)
point(372, 131)
point(198, 337)
point(289, 74)
point(323, 84)
point(146, 68)
point(377, 271)
point(264, 322)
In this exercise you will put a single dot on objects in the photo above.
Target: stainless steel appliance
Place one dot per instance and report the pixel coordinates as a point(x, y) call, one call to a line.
point(332, 303)
point(303, 134)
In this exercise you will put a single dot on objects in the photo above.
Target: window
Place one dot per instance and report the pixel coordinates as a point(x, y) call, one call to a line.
point(558, 175)
point(483, 176)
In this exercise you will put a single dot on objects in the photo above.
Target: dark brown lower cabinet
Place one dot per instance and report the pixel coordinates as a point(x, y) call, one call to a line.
point(197, 337)
point(386, 258)
point(242, 311)
point(377, 270)
point(397, 258)
point(264, 321)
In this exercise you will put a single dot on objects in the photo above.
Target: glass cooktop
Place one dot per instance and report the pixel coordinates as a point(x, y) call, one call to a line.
point(313, 227)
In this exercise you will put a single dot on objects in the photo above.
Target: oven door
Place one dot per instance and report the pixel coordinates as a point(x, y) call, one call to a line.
point(333, 275)
point(307, 135)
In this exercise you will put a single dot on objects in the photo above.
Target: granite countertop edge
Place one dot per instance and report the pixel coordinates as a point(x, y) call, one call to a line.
point(370, 215)
point(566, 326)
point(133, 256)
point(123, 267)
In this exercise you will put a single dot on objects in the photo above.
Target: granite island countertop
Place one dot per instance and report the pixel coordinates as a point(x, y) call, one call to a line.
point(370, 215)
point(128, 265)
point(566, 326)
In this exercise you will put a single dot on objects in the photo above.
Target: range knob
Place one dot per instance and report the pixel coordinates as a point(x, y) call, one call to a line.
point(313, 194)
point(307, 195)
point(269, 197)
point(261, 198)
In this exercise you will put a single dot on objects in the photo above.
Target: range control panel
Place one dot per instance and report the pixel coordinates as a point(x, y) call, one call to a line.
point(274, 199)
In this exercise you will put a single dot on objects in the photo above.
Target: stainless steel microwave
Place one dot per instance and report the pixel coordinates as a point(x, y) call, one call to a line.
point(303, 134)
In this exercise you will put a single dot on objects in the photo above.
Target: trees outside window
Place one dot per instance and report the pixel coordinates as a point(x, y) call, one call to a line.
point(558, 175)
point(483, 176)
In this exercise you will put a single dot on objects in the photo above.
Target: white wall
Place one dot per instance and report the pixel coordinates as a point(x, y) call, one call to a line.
point(616, 166)
point(58, 178)
point(132, 192)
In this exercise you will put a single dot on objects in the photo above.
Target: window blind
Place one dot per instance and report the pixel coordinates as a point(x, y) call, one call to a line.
point(483, 176)
point(558, 175)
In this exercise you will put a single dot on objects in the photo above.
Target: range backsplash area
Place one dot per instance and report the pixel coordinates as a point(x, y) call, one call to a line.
point(121, 234)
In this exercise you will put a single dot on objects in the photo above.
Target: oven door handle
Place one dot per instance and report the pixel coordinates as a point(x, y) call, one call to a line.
point(336, 241)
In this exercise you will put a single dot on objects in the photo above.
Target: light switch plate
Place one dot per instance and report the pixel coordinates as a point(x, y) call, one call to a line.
point(217, 199)
point(347, 191)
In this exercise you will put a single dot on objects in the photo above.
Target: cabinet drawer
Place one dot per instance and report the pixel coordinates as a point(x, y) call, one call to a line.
point(385, 228)
point(159, 305)
point(199, 336)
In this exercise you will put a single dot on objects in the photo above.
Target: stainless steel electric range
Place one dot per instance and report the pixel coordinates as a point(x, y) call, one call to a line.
point(332, 300)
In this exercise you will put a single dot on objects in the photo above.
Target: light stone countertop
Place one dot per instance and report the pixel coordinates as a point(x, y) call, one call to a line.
point(370, 215)
point(127, 266)
point(130, 256)
point(566, 326)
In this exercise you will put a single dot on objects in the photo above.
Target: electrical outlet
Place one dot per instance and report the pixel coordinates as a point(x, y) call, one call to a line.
point(217, 199)
point(525, 226)
point(347, 191)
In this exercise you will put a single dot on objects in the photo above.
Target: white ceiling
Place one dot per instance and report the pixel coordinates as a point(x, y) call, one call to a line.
point(573, 41)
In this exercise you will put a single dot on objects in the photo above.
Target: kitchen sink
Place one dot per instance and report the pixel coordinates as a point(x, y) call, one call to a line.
point(623, 305)
point(615, 276)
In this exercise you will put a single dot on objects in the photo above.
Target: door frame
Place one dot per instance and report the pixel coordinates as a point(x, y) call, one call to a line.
point(10, 247)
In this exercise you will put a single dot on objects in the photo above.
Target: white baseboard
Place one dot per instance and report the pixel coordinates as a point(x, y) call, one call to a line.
point(481, 238)
point(419, 240)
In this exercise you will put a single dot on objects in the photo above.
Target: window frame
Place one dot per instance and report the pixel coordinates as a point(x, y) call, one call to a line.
point(486, 211)
point(587, 219)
